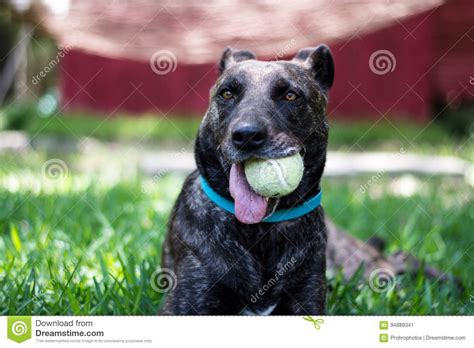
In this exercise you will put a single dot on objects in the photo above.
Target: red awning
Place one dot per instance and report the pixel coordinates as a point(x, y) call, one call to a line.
point(196, 31)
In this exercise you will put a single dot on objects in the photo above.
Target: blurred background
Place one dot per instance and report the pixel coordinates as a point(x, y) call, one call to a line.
point(100, 102)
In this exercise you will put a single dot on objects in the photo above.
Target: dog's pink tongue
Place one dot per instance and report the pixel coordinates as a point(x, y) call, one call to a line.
point(250, 207)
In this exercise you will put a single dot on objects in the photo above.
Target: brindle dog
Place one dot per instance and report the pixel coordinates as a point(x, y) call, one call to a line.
point(236, 264)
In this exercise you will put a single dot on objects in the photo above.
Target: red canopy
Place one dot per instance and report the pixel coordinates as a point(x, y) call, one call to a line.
point(196, 31)
point(428, 49)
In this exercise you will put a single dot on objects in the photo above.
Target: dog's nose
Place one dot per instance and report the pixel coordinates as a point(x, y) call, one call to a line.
point(249, 137)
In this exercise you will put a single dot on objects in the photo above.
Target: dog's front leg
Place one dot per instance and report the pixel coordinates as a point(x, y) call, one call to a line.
point(309, 298)
point(196, 293)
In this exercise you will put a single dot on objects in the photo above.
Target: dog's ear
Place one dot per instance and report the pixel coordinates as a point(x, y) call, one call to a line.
point(319, 61)
point(232, 56)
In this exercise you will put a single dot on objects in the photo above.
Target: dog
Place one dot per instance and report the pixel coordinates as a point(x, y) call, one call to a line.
point(236, 263)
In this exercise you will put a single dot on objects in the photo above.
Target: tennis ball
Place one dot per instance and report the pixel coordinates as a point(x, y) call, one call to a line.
point(274, 177)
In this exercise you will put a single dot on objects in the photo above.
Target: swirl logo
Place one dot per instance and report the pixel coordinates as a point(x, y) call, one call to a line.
point(382, 62)
point(163, 62)
point(54, 170)
point(382, 280)
point(19, 328)
point(163, 280)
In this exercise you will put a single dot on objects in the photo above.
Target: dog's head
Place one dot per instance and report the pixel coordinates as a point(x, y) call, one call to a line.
point(267, 110)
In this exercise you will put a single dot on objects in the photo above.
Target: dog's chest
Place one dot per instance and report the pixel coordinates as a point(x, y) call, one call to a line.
point(271, 258)
point(262, 311)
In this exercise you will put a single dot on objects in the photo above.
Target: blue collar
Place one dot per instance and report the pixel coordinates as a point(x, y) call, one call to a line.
point(276, 216)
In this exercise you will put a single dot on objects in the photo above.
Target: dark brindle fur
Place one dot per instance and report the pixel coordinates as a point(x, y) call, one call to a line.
point(220, 263)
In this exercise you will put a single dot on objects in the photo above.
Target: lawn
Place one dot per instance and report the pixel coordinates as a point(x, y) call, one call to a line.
point(88, 242)
point(383, 135)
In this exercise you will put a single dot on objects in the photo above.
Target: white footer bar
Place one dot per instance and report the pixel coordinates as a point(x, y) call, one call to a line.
point(228, 332)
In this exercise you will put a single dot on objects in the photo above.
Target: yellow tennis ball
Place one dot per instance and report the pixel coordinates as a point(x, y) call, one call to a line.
point(274, 177)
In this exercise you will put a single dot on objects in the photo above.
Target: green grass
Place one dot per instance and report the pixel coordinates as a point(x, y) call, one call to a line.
point(434, 224)
point(381, 135)
point(123, 127)
point(384, 135)
point(86, 246)
point(89, 243)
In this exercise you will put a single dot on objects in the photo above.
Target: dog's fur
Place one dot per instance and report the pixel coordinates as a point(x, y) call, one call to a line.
point(227, 267)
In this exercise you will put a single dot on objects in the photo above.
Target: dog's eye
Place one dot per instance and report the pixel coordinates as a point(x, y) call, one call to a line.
point(291, 96)
point(226, 94)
